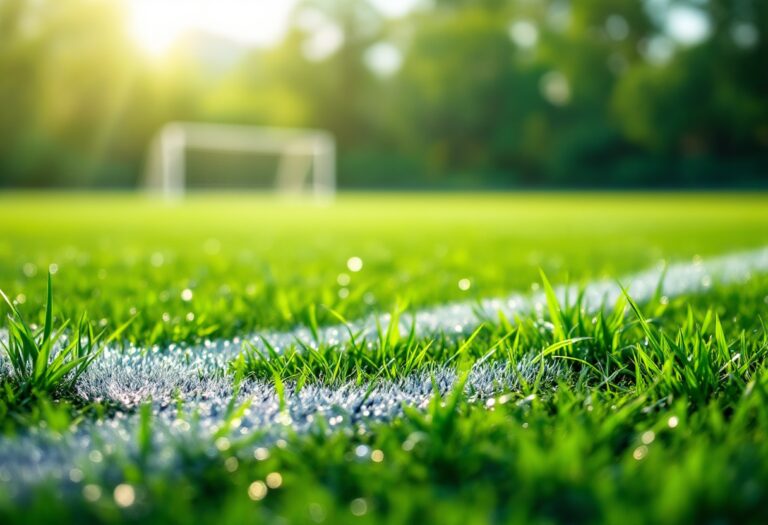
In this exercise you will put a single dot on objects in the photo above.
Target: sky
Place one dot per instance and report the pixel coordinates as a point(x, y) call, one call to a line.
point(157, 24)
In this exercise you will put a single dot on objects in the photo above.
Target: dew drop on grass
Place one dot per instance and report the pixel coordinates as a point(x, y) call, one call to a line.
point(29, 269)
point(274, 480)
point(358, 507)
point(186, 295)
point(76, 475)
point(91, 492)
point(464, 284)
point(231, 464)
point(124, 495)
point(284, 418)
point(257, 490)
point(354, 264)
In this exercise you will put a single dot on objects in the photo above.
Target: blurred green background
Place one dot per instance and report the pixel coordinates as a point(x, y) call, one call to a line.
point(441, 94)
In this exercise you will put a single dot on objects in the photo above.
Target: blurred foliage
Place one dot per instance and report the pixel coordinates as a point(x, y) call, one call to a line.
point(470, 93)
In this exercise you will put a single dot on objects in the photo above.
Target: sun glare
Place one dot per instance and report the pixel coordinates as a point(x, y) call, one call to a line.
point(158, 24)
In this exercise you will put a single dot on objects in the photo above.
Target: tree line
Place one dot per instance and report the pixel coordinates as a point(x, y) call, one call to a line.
point(453, 94)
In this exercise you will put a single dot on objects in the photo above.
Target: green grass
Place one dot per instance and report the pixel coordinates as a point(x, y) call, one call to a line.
point(660, 415)
point(252, 262)
point(43, 362)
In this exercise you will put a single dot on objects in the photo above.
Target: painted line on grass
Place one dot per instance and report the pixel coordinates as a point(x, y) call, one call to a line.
point(196, 380)
point(128, 377)
point(209, 424)
point(464, 317)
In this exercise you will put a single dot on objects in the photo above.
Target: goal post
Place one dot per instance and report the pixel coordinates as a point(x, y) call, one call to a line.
point(307, 157)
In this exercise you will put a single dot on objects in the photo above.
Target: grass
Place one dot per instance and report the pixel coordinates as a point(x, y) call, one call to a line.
point(660, 413)
point(249, 263)
point(42, 363)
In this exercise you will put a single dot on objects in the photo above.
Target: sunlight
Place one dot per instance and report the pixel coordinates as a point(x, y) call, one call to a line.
point(158, 24)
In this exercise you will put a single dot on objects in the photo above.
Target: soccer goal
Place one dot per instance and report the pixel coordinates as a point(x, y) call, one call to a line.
point(307, 157)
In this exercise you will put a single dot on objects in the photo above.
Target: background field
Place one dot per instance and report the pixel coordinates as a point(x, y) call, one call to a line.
point(253, 262)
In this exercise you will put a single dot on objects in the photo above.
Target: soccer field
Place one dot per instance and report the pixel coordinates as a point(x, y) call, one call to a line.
point(389, 358)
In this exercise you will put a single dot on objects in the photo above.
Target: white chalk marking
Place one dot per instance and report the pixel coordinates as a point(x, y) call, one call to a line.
point(198, 376)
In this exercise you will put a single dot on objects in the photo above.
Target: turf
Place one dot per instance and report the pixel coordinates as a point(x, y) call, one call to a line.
point(650, 412)
point(251, 262)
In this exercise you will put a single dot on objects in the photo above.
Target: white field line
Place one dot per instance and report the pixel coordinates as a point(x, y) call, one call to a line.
point(198, 376)
point(463, 317)
point(201, 429)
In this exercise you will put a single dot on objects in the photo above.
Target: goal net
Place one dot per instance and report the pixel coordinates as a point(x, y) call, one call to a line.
point(306, 157)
